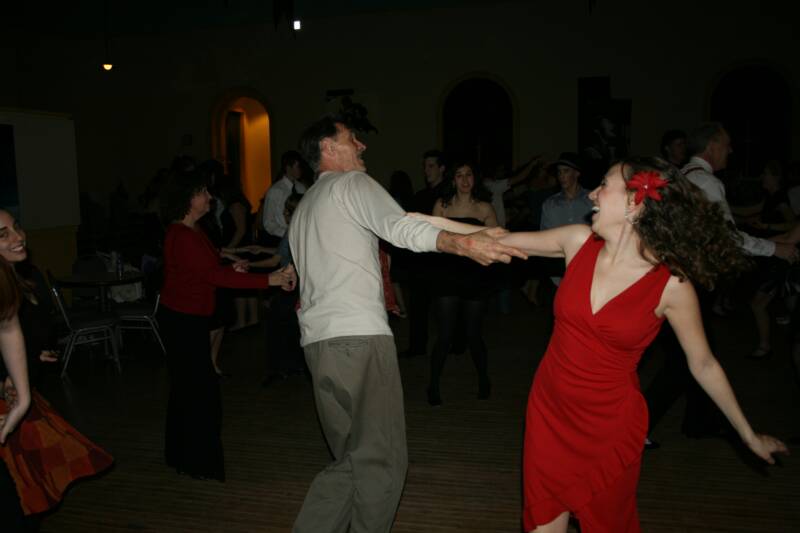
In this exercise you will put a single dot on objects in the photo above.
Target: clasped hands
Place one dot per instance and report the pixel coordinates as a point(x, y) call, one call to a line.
point(285, 277)
point(485, 247)
point(479, 243)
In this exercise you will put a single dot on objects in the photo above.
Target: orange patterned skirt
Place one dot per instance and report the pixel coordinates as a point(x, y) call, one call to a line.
point(46, 454)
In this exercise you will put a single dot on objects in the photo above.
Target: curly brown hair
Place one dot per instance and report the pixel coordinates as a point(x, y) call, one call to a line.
point(684, 230)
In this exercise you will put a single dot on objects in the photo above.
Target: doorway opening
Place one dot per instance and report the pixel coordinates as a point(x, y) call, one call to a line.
point(241, 141)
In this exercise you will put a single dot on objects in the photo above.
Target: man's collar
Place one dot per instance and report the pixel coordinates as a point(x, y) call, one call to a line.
point(697, 161)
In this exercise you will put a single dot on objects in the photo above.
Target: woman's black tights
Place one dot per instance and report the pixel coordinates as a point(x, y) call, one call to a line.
point(456, 315)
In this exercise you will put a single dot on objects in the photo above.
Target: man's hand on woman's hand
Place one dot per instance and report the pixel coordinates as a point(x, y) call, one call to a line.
point(285, 277)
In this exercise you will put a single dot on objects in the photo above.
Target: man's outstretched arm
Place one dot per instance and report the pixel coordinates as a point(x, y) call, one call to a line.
point(482, 246)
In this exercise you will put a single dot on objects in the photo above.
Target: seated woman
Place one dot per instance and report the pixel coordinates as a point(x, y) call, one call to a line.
point(44, 435)
point(461, 287)
point(192, 271)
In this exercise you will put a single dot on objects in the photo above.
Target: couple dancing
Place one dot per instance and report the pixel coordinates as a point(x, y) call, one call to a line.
point(586, 419)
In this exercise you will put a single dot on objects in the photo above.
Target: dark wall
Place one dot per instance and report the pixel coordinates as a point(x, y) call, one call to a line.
point(401, 66)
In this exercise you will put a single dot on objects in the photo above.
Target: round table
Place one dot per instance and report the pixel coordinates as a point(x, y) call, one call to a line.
point(100, 281)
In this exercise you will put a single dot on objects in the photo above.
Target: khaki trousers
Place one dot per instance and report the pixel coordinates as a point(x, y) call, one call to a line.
point(359, 400)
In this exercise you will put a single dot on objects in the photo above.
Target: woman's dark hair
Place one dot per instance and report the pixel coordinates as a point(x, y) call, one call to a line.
point(479, 192)
point(178, 193)
point(10, 296)
point(684, 230)
point(323, 128)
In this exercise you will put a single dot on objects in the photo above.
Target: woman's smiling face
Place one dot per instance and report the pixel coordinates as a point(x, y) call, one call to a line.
point(12, 239)
point(609, 199)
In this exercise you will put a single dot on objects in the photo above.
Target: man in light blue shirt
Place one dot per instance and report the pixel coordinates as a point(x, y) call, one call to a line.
point(571, 205)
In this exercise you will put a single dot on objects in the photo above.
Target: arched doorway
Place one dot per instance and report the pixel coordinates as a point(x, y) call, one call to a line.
point(478, 123)
point(241, 141)
point(755, 105)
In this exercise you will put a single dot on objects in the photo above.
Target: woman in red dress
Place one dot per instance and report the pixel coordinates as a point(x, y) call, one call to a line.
point(652, 231)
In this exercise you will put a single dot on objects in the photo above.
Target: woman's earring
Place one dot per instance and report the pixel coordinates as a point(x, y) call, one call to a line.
point(628, 215)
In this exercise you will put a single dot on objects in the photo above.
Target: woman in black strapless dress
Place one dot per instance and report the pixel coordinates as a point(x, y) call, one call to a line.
point(461, 287)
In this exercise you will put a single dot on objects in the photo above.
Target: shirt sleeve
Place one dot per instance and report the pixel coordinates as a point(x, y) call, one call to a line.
point(274, 222)
point(191, 254)
point(715, 192)
point(284, 251)
point(371, 206)
point(755, 246)
point(502, 185)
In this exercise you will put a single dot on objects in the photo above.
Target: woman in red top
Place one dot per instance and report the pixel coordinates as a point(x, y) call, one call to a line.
point(586, 421)
point(192, 271)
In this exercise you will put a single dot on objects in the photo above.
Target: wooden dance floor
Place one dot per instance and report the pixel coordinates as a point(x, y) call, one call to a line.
point(464, 473)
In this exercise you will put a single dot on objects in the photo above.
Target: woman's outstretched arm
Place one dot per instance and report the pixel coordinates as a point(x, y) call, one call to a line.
point(563, 241)
point(682, 309)
point(446, 224)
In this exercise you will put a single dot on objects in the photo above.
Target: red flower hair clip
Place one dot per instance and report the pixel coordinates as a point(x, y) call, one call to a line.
point(646, 184)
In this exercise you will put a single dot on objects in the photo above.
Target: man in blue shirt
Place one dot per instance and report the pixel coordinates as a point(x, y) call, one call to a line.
point(571, 205)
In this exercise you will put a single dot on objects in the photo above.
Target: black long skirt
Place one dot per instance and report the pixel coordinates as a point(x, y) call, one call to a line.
point(193, 442)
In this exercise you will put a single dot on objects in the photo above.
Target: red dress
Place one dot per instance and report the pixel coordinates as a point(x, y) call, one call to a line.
point(587, 420)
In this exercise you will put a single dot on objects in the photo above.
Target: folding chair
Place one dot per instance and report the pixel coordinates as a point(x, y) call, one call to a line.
point(84, 328)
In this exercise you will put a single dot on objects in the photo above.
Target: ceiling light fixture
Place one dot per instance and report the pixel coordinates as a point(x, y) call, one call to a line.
point(107, 64)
